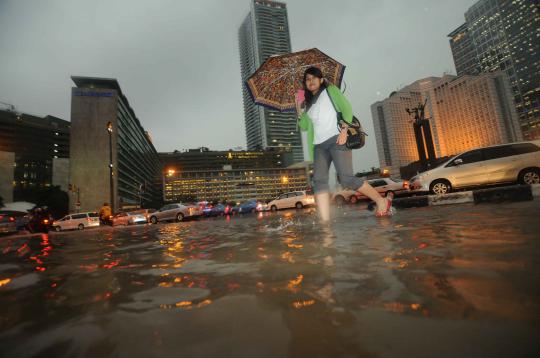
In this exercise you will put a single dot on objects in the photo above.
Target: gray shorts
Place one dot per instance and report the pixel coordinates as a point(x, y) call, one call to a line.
point(324, 154)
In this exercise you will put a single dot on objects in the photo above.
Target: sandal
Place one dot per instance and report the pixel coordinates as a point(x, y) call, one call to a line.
point(389, 210)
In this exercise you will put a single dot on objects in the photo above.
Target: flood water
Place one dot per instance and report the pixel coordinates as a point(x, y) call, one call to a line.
point(430, 282)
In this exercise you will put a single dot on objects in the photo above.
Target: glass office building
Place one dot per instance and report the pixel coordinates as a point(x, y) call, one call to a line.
point(504, 35)
point(37, 142)
point(205, 159)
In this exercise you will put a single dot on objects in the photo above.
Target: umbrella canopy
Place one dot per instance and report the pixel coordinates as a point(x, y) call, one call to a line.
point(275, 83)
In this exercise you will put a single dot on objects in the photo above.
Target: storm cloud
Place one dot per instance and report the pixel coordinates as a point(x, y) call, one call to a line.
point(178, 61)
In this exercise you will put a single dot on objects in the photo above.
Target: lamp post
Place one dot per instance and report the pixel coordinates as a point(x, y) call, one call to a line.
point(111, 182)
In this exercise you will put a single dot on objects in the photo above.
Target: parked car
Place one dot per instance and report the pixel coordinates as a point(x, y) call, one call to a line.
point(8, 224)
point(145, 212)
point(229, 209)
point(77, 221)
point(382, 185)
point(129, 218)
point(294, 199)
point(21, 218)
point(214, 210)
point(507, 163)
point(176, 212)
point(248, 206)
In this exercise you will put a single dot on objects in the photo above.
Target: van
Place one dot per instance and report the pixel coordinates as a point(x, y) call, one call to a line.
point(78, 221)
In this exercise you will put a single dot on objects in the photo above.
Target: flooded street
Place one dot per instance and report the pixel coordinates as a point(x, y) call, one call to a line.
point(436, 281)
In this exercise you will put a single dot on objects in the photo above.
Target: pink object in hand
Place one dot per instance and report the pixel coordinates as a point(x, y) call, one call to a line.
point(301, 95)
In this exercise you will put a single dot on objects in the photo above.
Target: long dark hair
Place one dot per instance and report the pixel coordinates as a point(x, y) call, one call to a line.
point(310, 98)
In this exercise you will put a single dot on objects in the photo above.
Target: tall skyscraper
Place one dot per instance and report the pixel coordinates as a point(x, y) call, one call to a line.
point(463, 51)
point(263, 33)
point(465, 112)
point(503, 35)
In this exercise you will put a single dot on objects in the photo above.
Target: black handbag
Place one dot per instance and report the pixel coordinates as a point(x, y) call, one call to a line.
point(356, 137)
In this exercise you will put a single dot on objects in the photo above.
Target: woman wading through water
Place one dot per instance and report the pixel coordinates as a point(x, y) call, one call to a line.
point(327, 144)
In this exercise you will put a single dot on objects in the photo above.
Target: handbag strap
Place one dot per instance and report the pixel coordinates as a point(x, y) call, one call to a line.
point(335, 108)
point(339, 113)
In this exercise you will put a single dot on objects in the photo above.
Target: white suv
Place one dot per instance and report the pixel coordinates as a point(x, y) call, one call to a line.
point(78, 221)
point(294, 199)
point(507, 163)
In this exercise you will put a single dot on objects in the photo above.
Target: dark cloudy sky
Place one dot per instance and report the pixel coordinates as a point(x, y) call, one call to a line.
point(178, 63)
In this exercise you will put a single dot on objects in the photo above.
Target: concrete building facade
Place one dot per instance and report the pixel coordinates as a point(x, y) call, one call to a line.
point(263, 33)
point(136, 169)
point(7, 164)
point(465, 112)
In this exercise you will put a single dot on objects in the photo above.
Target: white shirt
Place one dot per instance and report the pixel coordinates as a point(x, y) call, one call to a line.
point(324, 118)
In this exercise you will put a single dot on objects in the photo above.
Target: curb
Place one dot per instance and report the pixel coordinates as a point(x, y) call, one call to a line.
point(511, 193)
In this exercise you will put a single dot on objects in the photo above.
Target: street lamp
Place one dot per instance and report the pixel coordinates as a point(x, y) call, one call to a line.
point(111, 183)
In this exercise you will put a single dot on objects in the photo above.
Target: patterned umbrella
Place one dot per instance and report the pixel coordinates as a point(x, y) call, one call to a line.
point(275, 83)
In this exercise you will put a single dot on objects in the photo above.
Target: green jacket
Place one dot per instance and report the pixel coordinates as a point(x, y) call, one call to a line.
point(342, 104)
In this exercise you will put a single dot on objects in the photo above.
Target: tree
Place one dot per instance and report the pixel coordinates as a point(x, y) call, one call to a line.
point(53, 197)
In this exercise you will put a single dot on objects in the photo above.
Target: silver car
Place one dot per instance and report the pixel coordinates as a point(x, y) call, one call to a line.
point(8, 224)
point(295, 199)
point(128, 218)
point(507, 163)
point(176, 212)
point(382, 185)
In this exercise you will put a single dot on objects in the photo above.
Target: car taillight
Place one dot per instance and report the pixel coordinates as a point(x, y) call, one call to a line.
point(406, 184)
point(11, 218)
point(45, 221)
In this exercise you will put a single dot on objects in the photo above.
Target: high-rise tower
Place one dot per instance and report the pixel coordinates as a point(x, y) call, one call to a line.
point(263, 33)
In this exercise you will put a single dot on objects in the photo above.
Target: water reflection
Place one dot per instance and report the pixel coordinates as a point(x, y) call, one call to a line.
point(280, 282)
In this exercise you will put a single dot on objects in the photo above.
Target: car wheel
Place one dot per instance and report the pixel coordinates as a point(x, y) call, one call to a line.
point(57, 228)
point(273, 208)
point(179, 217)
point(529, 176)
point(390, 192)
point(353, 199)
point(153, 220)
point(80, 227)
point(299, 205)
point(440, 187)
point(340, 200)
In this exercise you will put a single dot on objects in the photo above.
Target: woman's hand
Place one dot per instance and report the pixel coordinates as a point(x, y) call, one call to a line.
point(299, 110)
point(342, 137)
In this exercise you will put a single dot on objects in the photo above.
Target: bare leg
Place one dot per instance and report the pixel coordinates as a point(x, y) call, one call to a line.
point(323, 206)
point(374, 195)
